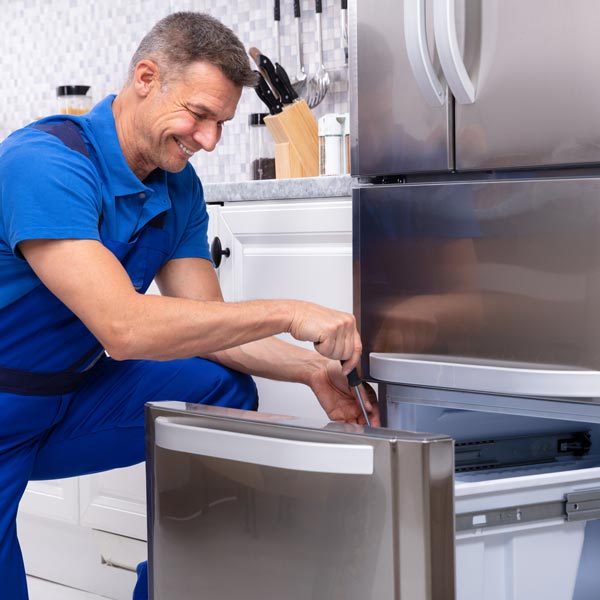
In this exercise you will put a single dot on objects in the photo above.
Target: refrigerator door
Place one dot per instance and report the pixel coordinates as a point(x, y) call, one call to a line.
point(491, 287)
point(255, 506)
point(533, 68)
point(399, 109)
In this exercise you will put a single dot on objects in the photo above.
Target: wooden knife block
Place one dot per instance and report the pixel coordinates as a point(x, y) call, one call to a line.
point(296, 141)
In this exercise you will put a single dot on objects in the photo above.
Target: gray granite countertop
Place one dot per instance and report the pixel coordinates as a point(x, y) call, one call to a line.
point(278, 189)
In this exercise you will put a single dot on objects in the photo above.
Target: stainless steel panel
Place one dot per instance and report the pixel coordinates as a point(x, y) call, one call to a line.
point(499, 271)
point(534, 65)
point(394, 128)
point(479, 375)
point(223, 529)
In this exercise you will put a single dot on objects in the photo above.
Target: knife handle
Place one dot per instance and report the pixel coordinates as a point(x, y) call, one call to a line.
point(297, 9)
point(285, 85)
point(318, 7)
point(276, 11)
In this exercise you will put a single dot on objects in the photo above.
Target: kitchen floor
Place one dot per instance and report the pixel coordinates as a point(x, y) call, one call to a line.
point(39, 589)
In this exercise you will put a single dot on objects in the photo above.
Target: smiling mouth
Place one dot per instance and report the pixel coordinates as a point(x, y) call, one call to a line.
point(184, 148)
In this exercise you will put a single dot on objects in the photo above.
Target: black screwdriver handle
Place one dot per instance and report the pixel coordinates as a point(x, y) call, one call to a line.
point(318, 6)
point(297, 9)
point(277, 11)
point(353, 377)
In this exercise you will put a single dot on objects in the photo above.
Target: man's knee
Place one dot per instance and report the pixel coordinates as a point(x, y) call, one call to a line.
point(218, 385)
point(237, 390)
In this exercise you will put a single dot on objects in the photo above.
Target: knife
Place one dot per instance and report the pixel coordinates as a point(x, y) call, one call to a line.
point(265, 93)
point(286, 85)
point(267, 68)
point(354, 381)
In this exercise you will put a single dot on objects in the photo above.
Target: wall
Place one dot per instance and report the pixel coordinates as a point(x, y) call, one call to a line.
point(46, 43)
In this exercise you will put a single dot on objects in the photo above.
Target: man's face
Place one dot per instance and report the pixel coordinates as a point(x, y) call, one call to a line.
point(184, 116)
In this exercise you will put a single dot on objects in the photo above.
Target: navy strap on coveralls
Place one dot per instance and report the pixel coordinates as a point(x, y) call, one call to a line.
point(86, 413)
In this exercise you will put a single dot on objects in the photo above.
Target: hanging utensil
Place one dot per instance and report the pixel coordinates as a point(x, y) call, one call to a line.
point(299, 81)
point(344, 17)
point(276, 19)
point(318, 83)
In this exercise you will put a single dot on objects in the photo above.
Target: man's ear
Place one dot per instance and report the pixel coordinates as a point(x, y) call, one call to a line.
point(145, 77)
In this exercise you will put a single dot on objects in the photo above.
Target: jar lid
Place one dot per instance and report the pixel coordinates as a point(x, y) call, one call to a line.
point(257, 118)
point(330, 124)
point(72, 90)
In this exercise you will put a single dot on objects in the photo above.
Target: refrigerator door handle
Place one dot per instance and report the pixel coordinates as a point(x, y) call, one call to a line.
point(485, 376)
point(444, 24)
point(415, 37)
point(317, 457)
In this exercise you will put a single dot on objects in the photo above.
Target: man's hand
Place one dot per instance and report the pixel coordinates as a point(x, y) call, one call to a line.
point(332, 332)
point(337, 398)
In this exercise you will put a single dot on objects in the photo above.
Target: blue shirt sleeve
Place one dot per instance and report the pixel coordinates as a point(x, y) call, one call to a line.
point(48, 191)
point(192, 240)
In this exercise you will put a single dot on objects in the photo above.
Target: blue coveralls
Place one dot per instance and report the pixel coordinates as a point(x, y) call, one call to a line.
point(88, 415)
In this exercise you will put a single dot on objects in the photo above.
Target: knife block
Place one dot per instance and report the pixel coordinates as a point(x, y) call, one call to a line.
point(295, 133)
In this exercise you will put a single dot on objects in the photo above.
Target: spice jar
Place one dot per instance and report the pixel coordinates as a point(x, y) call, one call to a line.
point(73, 99)
point(262, 148)
point(331, 145)
point(346, 117)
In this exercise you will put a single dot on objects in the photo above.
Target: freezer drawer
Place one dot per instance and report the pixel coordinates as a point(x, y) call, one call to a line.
point(262, 506)
point(481, 284)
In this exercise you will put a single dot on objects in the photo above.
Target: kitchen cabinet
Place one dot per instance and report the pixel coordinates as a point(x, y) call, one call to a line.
point(93, 528)
point(300, 250)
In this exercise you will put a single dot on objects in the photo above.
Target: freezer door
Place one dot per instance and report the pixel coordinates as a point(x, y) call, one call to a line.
point(491, 287)
point(256, 506)
point(399, 111)
point(533, 66)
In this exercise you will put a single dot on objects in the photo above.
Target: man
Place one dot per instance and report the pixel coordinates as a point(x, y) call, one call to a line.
point(92, 209)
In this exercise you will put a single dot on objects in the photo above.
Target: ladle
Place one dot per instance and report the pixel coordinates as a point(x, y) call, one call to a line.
point(318, 83)
point(299, 82)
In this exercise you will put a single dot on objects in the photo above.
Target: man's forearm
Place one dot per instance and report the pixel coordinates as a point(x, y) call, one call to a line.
point(272, 358)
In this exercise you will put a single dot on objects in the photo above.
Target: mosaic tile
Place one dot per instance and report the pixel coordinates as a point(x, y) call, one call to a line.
point(46, 43)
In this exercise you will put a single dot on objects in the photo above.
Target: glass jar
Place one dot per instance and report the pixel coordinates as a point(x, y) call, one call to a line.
point(331, 145)
point(73, 99)
point(262, 148)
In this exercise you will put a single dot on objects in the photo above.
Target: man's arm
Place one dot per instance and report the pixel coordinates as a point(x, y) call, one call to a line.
point(93, 284)
point(269, 357)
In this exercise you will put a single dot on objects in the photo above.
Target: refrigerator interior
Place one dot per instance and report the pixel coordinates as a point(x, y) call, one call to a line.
point(550, 558)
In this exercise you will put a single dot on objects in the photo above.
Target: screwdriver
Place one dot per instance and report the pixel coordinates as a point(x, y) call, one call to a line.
point(354, 381)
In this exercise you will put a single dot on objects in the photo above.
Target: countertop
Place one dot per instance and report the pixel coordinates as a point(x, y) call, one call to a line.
point(278, 189)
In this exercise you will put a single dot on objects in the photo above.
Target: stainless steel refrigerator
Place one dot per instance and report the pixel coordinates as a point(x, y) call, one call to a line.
point(477, 257)
point(476, 151)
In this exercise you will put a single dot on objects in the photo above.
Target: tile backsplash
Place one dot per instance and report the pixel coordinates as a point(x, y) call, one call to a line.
point(47, 43)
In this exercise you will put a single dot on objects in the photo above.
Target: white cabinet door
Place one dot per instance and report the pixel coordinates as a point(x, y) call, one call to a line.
point(300, 250)
point(115, 501)
point(56, 499)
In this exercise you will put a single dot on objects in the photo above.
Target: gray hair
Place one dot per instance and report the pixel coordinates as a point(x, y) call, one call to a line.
point(184, 38)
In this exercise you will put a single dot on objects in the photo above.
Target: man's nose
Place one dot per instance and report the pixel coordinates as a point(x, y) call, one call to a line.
point(208, 135)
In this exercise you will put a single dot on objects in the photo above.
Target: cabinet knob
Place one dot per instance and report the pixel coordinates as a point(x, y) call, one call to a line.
point(218, 252)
